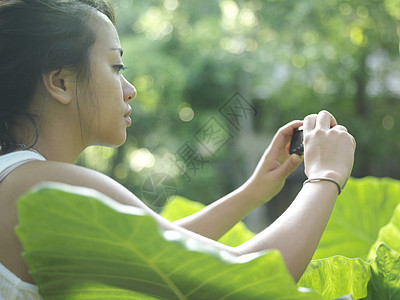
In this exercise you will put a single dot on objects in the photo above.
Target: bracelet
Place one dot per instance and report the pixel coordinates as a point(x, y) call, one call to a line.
point(340, 189)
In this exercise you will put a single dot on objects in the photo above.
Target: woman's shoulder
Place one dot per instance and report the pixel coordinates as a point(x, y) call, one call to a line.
point(32, 173)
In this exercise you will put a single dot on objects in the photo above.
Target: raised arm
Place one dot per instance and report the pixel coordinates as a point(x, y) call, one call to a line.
point(268, 179)
point(329, 152)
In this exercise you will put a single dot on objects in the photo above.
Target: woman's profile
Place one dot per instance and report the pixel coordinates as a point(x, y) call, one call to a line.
point(61, 91)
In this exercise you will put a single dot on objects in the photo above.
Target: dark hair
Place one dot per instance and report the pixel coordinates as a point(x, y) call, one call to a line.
point(36, 37)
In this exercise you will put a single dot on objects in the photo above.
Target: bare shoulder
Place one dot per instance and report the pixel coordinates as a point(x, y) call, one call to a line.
point(26, 176)
point(23, 178)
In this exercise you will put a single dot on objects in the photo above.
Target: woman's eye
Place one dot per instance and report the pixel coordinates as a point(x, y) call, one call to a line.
point(120, 68)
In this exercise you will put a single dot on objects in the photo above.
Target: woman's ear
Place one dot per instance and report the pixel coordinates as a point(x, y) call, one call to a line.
point(60, 84)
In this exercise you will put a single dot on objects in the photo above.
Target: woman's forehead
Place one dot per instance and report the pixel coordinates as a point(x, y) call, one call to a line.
point(106, 35)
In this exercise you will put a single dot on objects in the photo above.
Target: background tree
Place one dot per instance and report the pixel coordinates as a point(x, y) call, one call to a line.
point(281, 60)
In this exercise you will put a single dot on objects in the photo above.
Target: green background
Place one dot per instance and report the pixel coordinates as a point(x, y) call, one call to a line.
point(286, 59)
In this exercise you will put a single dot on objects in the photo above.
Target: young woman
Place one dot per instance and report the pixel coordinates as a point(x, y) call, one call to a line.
point(61, 91)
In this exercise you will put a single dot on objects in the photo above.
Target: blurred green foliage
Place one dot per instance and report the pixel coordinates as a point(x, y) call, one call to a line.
point(287, 59)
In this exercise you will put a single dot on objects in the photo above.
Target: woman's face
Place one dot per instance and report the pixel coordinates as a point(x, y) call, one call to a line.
point(106, 110)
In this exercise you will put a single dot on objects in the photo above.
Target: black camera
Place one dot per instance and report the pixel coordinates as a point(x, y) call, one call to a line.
point(296, 144)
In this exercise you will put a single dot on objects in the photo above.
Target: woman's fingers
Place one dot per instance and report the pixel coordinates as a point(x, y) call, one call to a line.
point(325, 120)
point(309, 123)
point(329, 148)
point(284, 134)
point(322, 120)
point(287, 130)
point(340, 128)
point(344, 129)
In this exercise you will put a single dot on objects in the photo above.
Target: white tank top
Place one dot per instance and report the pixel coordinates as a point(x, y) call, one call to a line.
point(11, 287)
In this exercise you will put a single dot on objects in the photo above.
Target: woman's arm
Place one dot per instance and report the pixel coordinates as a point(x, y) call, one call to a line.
point(268, 179)
point(297, 231)
point(329, 153)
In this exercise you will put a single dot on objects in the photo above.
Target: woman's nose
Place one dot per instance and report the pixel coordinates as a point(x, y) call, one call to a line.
point(129, 90)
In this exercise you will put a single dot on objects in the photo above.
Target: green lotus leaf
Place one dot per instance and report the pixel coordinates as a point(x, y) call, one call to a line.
point(385, 275)
point(180, 207)
point(79, 244)
point(337, 276)
point(364, 207)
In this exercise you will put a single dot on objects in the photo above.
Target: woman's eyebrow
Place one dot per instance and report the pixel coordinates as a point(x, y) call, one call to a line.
point(119, 49)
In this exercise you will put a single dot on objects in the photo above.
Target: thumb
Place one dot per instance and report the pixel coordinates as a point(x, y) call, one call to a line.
point(290, 165)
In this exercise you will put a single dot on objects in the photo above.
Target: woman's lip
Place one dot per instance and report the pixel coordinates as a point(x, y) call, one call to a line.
point(129, 120)
point(128, 113)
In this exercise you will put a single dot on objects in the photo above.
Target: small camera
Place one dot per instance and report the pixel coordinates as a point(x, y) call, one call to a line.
point(296, 144)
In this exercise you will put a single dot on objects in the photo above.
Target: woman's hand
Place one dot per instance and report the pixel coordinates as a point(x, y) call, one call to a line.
point(328, 148)
point(274, 167)
point(267, 180)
